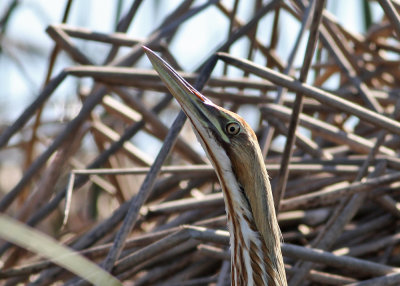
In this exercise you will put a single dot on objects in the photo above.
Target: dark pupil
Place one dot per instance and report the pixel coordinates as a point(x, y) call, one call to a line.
point(232, 129)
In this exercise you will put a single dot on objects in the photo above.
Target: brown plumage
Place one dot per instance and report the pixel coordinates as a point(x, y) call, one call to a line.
point(232, 148)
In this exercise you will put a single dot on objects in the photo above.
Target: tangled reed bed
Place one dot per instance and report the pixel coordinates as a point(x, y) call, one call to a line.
point(155, 215)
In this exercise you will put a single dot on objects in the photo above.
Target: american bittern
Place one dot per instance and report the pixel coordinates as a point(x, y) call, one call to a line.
point(232, 148)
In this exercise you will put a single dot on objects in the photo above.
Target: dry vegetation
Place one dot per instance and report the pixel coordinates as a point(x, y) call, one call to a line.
point(157, 217)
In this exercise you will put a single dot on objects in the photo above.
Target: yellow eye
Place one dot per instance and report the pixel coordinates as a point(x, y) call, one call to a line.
point(233, 128)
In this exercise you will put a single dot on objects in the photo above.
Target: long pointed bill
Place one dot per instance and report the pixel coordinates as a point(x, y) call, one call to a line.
point(178, 86)
point(196, 106)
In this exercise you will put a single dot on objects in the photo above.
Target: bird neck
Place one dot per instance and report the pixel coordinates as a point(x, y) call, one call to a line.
point(248, 250)
point(252, 261)
point(255, 236)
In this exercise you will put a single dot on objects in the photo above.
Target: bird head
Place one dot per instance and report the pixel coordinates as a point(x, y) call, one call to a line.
point(220, 131)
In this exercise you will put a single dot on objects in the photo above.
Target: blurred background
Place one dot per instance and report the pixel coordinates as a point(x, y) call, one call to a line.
point(25, 46)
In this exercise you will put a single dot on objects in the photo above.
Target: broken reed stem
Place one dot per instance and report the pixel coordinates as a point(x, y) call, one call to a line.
point(279, 192)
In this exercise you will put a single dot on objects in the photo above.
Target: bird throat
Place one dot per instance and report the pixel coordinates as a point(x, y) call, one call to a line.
point(248, 249)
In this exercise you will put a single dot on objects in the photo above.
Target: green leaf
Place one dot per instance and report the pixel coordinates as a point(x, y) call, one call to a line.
point(35, 241)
